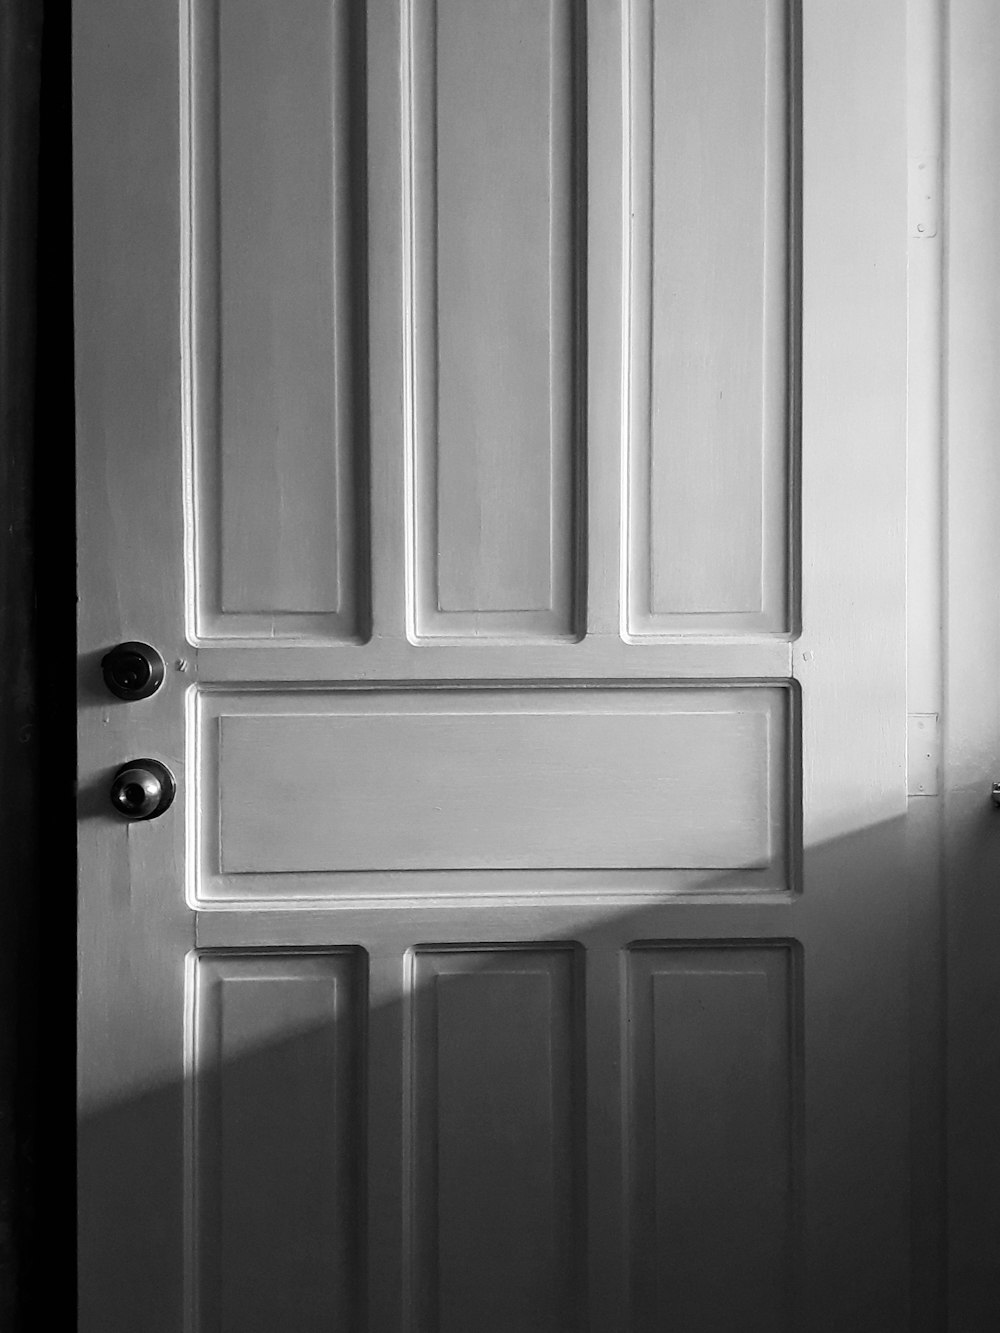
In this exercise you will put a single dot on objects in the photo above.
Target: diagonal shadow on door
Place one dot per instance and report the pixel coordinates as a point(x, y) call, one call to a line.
point(538, 1174)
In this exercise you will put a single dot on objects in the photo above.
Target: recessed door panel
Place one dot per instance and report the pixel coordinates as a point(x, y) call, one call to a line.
point(493, 153)
point(714, 1096)
point(346, 787)
point(497, 1227)
point(277, 285)
point(711, 331)
point(276, 1147)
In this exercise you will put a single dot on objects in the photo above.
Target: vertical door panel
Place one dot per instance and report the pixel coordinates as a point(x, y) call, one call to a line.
point(494, 138)
point(496, 1227)
point(278, 156)
point(277, 1149)
point(714, 1085)
point(710, 333)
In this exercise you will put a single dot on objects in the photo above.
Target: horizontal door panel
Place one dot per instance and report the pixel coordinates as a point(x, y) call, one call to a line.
point(342, 785)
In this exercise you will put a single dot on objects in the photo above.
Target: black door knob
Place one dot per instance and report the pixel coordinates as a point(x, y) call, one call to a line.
point(142, 789)
point(133, 670)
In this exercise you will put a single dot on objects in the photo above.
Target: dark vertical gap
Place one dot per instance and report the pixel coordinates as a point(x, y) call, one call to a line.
point(47, 964)
point(20, 75)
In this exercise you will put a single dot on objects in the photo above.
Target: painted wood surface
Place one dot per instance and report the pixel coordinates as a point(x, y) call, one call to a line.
point(277, 1110)
point(494, 236)
point(599, 779)
point(712, 1104)
point(496, 1047)
point(712, 318)
point(972, 665)
point(277, 284)
point(487, 734)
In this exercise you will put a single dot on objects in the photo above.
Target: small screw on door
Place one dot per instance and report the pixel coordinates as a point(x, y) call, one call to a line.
point(132, 671)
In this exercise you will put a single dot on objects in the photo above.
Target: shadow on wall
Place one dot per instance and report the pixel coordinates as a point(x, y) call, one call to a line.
point(616, 1128)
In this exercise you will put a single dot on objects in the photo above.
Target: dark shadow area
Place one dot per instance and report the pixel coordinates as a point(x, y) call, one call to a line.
point(37, 667)
point(720, 1146)
point(973, 902)
point(20, 43)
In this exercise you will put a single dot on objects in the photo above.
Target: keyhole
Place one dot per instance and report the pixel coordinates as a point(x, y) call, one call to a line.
point(132, 672)
point(142, 789)
point(134, 795)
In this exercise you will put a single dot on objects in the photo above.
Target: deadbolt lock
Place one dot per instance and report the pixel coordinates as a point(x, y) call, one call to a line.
point(133, 670)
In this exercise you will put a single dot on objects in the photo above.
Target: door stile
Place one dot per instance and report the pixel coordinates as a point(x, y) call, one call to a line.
point(607, 1284)
point(387, 1152)
point(134, 926)
point(602, 427)
point(850, 662)
point(972, 664)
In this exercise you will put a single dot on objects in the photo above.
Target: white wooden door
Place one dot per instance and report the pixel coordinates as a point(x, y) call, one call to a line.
point(493, 411)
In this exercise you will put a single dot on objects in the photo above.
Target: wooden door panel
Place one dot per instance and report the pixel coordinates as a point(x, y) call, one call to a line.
point(495, 1138)
point(276, 1140)
point(494, 1130)
point(324, 784)
point(714, 1107)
point(492, 228)
point(276, 274)
point(712, 330)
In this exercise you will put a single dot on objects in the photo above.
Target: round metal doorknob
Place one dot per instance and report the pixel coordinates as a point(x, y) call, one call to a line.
point(132, 670)
point(142, 789)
